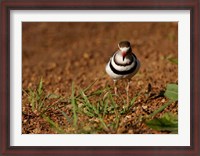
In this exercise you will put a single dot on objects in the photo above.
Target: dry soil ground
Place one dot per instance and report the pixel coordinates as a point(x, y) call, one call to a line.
point(62, 53)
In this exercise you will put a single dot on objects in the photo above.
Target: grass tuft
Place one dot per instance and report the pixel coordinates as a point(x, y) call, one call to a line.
point(101, 111)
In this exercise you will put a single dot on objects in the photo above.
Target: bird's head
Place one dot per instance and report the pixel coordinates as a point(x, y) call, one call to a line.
point(124, 47)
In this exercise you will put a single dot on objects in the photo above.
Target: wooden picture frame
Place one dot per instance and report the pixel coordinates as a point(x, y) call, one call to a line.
point(8, 5)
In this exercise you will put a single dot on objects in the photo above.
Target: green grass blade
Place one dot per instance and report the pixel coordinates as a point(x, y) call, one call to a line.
point(126, 109)
point(52, 96)
point(31, 98)
point(39, 95)
point(117, 120)
point(103, 124)
point(69, 120)
point(160, 109)
point(87, 88)
point(173, 60)
point(40, 88)
point(105, 107)
point(55, 125)
point(41, 104)
point(98, 107)
point(73, 102)
point(87, 103)
point(113, 103)
point(90, 114)
point(133, 101)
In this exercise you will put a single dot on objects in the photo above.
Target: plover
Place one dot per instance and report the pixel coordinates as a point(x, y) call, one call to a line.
point(123, 65)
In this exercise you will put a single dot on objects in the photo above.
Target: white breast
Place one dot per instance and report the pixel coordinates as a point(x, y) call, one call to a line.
point(119, 59)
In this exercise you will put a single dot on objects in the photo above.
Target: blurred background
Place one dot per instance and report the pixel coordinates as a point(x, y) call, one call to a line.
point(64, 52)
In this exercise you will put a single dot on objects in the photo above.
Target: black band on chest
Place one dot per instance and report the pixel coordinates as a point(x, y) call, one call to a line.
point(125, 72)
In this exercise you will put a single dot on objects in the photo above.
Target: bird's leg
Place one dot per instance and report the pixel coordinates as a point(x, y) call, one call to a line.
point(127, 92)
point(115, 87)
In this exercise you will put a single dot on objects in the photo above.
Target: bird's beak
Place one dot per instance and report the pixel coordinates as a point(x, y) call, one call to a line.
point(123, 55)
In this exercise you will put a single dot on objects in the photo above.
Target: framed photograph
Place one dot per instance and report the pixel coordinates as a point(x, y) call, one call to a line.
point(99, 77)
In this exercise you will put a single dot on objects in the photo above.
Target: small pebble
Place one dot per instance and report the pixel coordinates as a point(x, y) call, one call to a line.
point(144, 107)
point(163, 100)
point(86, 55)
point(130, 131)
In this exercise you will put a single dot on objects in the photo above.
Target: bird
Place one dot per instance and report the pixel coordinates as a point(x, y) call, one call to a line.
point(123, 65)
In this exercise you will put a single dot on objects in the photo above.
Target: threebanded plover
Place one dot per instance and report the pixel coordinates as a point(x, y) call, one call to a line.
point(123, 65)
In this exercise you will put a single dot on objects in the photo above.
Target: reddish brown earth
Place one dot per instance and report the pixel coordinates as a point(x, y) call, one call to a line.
point(62, 53)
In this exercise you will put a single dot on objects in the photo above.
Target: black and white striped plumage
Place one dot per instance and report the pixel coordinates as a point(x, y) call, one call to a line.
point(123, 64)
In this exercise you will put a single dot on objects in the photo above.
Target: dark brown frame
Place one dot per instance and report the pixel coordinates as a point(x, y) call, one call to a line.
point(8, 5)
